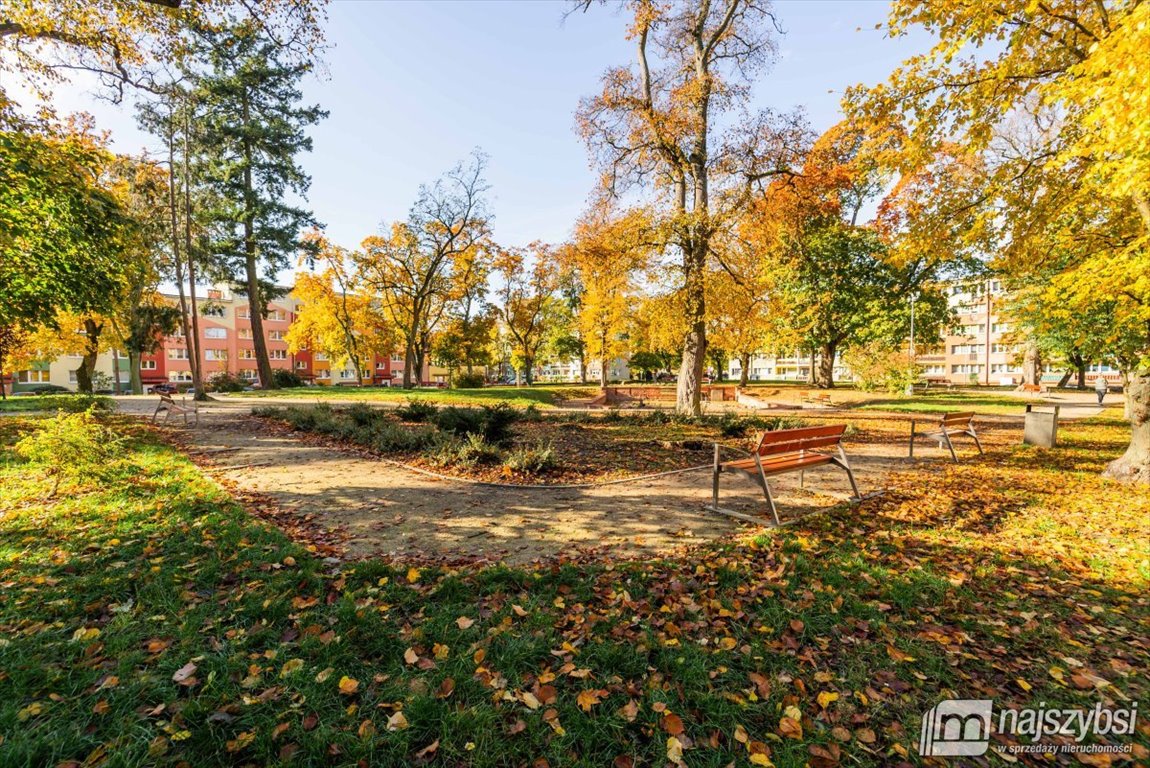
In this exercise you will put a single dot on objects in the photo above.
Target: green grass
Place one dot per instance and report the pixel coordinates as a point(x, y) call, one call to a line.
point(71, 402)
point(983, 402)
point(540, 395)
point(109, 591)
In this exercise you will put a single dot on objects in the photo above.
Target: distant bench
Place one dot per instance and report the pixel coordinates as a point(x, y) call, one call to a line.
point(949, 424)
point(168, 406)
point(786, 450)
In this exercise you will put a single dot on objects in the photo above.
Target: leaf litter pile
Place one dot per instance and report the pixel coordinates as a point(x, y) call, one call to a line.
point(152, 621)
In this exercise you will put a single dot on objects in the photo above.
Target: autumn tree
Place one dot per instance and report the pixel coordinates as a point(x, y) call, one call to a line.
point(14, 354)
point(1050, 98)
point(126, 42)
point(338, 316)
point(656, 126)
point(413, 266)
point(607, 252)
point(253, 129)
point(60, 226)
point(526, 285)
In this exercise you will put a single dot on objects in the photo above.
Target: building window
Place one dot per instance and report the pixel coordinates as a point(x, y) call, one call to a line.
point(178, 354)
point(215, 333)
point(72, 377)
point(147, 365)
point(248, 373)
point(180, 376)
point(212, 310)
point(323, 373)
point(381, 365)
point(277, 314)
point(244, 333)
point(999, 327)
point(396, 357)
point(244, 313)
point(934, 370)
point(277, 354)
point(301, 364)
point(346, 374)
point(1003, 348)
point(276, 335)
point(33, 377)
point(966, 368)
point(215, 354)
point(321, 355)
point(967, 349)
point(1004, 368)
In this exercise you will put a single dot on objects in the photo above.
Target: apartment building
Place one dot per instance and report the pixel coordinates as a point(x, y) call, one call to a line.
point(226, 345)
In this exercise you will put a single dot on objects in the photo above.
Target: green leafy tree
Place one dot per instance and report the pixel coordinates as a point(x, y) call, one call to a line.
point(253, 129)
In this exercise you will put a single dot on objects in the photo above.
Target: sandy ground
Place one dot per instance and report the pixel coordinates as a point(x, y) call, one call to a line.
point(388, 510)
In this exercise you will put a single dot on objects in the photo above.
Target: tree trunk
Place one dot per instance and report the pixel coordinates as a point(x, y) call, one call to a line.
point(134, 381)
point(826, 369)
point(408, 359)
point(688, 392)
point(1031, 365)
point(1082, 375)
point(603, 379)
point(1134, 465)
point(582, 368)
point(744, 369)
point(255, 307)
point(87, 367)
point(195, 358)
point(528, 364)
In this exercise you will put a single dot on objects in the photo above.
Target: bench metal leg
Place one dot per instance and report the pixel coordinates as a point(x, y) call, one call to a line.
point(977, 443)
point(912, 426)
point(767, 489)
point(850, 473)
point(950, 445)
point(715, 480)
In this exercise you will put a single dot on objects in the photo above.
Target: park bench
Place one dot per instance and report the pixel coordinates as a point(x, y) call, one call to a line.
point(168, 406)
point(1032, 388)
point(949, 424)
point(640, 395)
point(786, 450)
point(821, 399)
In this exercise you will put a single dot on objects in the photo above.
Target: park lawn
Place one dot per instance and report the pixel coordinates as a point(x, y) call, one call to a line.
point(153, 621)
point(942, 401)
point(69, 403)
point(544, 396)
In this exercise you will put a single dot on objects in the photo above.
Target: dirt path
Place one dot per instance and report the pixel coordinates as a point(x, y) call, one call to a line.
point(388, 510)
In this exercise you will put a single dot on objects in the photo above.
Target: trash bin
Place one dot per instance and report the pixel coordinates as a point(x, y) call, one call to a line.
point(1041, 427)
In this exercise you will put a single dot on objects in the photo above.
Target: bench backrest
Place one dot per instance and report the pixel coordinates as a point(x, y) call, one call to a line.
point(962, 418)
point(781, 441)
point(166, 398)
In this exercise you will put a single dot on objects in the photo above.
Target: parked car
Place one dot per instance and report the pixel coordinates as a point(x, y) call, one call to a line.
point(162, 389)
point(48, 389)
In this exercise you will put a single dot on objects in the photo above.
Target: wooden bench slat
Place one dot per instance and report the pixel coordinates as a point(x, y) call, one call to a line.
point(789, 435)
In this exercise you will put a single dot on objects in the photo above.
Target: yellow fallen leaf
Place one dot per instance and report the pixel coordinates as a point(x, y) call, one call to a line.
point(410, 656)
point(412, 575)
point(759, 758)
point(531, 700)
point(464, 623)
point(441, 651)
point(674, 749)
point(348, 685)
point(324, 675)
point(293, 666)
point(396, 722)
point(825, 698)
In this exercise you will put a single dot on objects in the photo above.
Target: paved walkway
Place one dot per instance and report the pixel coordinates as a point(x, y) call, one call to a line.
point(388, 510)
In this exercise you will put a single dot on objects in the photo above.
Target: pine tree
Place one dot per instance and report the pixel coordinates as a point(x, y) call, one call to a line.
point(252, 127)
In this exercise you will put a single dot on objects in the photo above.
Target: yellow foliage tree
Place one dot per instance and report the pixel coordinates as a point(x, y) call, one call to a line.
point(1048, 102)
point(338, 317)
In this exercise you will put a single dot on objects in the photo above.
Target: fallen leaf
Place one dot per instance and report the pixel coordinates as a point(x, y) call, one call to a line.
point(464, 623)
point(397, 722)
point(348, 685)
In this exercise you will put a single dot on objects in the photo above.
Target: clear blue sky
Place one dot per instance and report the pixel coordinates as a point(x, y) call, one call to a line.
point(412, 87)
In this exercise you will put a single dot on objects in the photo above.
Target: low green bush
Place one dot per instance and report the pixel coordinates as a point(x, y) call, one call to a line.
point(417, 410)
point(226, 382)
point(286, 379)
point(532, 459)
point(460, 421)
point(464, 380)
point(466, 451)
point(497, 421)
point(72, 448)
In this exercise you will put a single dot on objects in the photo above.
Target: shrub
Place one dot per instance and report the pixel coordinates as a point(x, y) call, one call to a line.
point(389, 437)
point(363, 414)
point(286, 379)
point(73, 403)
point(531, 459)
point(72, 448)
point(497, 421)
point(460, 421)
point(465, 452)
point(531, 413)
point(417, 410)
point(473, 380)
point(226, 382)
